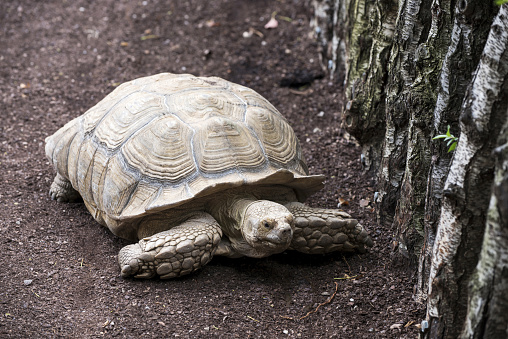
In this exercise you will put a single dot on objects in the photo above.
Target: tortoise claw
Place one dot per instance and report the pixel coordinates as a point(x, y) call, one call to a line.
point(128, 259)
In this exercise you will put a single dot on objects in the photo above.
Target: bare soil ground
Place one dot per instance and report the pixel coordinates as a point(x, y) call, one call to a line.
point(59, 275)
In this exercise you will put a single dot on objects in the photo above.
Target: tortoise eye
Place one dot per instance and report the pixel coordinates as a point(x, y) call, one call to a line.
point(267, 225)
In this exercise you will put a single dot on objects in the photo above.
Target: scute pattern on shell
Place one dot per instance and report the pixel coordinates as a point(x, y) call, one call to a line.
point(160, 141)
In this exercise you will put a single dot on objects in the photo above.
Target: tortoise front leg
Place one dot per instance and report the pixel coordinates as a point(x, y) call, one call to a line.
point(172, 253)
point(319, 230)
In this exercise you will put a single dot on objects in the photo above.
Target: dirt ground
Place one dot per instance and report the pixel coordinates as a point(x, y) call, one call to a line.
point(60, 276)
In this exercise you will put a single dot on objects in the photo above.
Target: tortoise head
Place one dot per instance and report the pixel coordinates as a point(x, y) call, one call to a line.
point(267, 227)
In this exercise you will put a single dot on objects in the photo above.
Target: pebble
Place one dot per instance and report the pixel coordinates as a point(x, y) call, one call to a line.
point(27, 282)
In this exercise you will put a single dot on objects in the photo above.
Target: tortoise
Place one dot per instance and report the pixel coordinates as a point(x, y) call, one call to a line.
point(191, 167)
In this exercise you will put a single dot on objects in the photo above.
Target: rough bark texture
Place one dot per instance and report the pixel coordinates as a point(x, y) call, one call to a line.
point(408, 64)
point(467, 189)
point(466, 27)
point(413, 67)
point(488, 301)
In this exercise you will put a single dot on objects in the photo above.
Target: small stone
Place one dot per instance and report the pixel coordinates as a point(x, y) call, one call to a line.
point(27, 282)
point(185, 246)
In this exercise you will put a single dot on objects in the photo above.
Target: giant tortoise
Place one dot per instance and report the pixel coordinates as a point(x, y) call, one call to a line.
point(192, 167)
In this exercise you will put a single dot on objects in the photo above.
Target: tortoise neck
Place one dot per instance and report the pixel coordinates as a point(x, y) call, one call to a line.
point(230, 211)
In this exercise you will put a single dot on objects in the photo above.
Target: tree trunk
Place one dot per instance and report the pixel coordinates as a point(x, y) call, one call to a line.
point(467, 190)
point(412, 68)
point(488, 298)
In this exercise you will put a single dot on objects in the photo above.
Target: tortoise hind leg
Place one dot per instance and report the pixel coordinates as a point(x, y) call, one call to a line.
point(172, 253)
point(319, 230)
point(62, 190)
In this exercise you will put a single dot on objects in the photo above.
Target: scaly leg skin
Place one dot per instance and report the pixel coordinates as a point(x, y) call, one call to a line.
point(62, 190)
point(172, 253)
point(319, 230)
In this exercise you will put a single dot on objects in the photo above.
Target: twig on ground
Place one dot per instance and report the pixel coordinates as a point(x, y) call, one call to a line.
point(251, 318)
point(349, 267)
point(346, 277)
point(317, 308)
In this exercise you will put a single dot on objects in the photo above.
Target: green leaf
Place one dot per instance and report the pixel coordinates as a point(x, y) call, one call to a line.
point(448, 132)
point(452, 147)
point(449, 138)
point(500, 2)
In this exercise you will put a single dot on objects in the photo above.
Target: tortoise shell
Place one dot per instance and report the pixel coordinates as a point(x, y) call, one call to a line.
point(158, 142)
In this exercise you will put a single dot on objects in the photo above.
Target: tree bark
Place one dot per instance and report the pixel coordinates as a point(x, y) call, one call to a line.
point(488, 301)
point(413, 67)
point(467, 189)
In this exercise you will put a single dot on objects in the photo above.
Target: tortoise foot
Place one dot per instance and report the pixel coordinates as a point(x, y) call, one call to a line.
point(319, 230)
point(173, 253)
point(61, 190)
